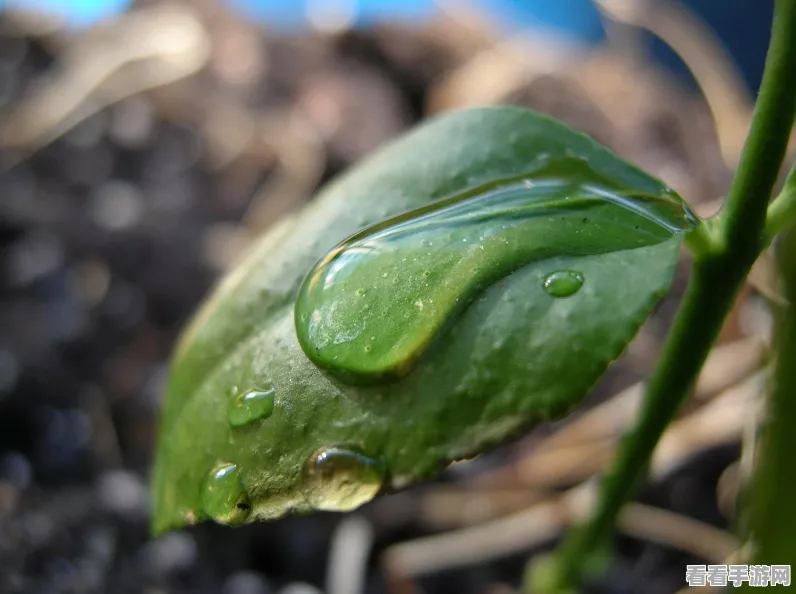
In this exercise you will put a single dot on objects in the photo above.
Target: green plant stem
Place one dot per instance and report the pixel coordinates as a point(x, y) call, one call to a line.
point(716, 279)
point(771, 526)
point(700, 241)
point(782, 211)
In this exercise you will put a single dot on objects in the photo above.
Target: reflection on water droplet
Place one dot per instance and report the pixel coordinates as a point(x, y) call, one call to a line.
point(563, 283)
point(479, 236)
point(250, 406)
point(224, 497)
point(339, 479)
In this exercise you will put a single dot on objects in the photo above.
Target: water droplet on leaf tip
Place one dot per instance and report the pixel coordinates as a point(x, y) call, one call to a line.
point(224, 497)
point(250, 406)
point(563, 283)
point(340, 479)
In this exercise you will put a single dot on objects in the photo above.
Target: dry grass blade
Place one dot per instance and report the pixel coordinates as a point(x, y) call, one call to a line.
point(539, 524)
point(348, 557)
point(495, 72)
point(721, 421)
point(139, 51)
point(728, 489)
point(668, 528)
point(449, 506)
point(717, 77)
point(301, 162)
point(764, 278)
point(533, 526)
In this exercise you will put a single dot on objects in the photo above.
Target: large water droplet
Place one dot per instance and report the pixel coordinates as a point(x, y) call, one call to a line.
point(480, 236)
point(563, 283)
point(250, 406)
point(224, 497)
point(341, 480)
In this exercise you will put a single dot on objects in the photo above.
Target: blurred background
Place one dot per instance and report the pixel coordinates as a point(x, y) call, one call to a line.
point(144, 144)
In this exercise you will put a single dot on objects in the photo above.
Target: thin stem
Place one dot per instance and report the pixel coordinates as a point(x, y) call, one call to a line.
point(773, 488)
point(717, 276)
point(745, 213)
point(701, 241)
point(782, 212)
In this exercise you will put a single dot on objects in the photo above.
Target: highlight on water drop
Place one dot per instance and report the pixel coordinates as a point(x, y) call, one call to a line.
point(250, 406)
point(563, 283)
point(480, 236)
point(224, 497)
point(340, 479)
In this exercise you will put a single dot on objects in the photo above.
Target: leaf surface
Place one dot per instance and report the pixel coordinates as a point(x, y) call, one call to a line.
point(496, 263)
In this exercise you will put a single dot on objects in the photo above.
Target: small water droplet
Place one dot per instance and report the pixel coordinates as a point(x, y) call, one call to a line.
point(224, 497)
point(250, 406)
point(563, 283)
point(339, 479)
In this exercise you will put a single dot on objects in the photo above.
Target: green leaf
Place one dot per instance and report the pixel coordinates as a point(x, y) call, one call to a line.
point(520, 260)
